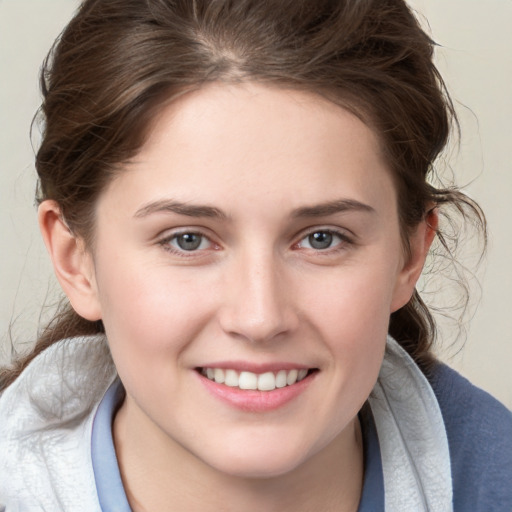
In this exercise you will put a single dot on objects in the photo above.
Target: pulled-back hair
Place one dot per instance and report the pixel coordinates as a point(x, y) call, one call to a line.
point(118, 62)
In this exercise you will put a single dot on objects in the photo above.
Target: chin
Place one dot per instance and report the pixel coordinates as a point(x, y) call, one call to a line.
point(260, 470)
point(257, 463)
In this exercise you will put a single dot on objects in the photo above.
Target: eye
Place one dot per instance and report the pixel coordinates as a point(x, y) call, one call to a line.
point(186, 242)
point(322, 239)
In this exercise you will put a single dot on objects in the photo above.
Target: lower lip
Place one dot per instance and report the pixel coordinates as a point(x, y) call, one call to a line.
point(256, 401)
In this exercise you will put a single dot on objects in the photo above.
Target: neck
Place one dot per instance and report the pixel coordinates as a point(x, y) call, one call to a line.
point(164, 476)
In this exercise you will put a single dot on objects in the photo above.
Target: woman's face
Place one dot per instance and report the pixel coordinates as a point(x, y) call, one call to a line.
point(254, 239)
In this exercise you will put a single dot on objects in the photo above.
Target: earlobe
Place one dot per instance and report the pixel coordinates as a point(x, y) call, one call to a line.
point(419, 243)
point(72, 264)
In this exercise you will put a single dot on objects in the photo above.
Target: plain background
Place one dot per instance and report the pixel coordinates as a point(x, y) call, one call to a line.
point(474, 57)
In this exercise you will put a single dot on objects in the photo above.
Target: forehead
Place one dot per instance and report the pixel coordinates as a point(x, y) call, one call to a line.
point(249, 144)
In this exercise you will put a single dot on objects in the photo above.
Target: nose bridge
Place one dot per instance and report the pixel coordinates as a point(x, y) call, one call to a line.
point(258, 306)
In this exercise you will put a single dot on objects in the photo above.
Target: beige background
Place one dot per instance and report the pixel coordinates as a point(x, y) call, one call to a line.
point(475, 59)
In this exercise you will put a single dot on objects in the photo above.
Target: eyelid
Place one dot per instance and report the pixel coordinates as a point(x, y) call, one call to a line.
point(346, 238)
point(171, 234)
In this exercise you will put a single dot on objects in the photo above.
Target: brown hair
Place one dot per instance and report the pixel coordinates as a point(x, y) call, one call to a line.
point(118, 61)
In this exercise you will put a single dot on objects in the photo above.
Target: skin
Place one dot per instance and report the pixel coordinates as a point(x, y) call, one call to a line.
point(266, 162)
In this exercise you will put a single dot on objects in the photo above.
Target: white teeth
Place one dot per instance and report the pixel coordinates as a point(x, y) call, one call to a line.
point(291, 378)
point(267, 381)
point(248, 380)
point(281, 379)
point(302, 373)
point(231, 378)
point(218, 375)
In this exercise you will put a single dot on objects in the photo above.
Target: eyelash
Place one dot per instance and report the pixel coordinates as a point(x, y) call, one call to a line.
point(343, 241)
point(165, 243)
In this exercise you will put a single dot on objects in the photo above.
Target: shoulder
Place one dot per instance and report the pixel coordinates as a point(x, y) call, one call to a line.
point(46, 416)
point(470, 413)
point(479, 431)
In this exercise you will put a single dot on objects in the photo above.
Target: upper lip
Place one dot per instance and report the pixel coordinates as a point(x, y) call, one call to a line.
point(246, 366)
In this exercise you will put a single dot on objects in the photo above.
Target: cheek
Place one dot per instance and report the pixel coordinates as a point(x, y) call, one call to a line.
point(150, 318)
point(150, 310)
point(355, 300)
point(352, 314)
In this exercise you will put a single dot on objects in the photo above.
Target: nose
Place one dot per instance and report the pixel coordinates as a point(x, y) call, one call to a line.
point(258, 305)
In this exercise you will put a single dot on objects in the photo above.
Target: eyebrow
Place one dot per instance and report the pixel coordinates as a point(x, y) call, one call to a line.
point(333, 207)
point(171, 206)
point(189, 210)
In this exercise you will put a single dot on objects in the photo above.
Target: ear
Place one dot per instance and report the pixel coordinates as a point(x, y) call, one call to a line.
point(419, 243)
point(72, 264)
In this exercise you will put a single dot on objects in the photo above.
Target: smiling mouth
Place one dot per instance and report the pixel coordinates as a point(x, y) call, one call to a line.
point(245, 380)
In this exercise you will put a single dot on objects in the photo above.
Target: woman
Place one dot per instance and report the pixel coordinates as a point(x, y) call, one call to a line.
point(234, 196)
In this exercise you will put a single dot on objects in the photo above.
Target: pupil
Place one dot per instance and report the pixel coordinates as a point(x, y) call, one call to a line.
point(320, 240)
point(189, 241)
